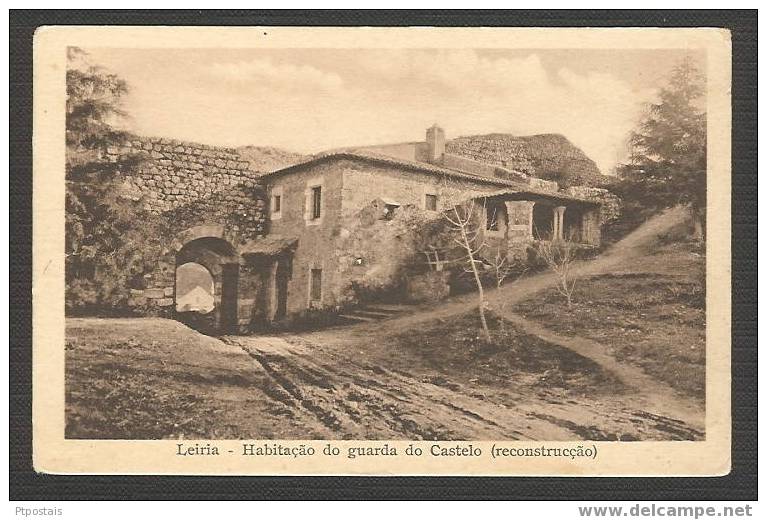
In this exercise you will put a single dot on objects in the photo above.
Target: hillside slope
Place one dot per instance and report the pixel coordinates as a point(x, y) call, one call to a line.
point(267, 158)
point(547, 156)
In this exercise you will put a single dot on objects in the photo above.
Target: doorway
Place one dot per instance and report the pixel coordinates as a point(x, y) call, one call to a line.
point(282, 277)
point(229, 281)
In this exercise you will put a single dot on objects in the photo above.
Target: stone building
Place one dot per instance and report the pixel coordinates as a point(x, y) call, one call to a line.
point(321, 234)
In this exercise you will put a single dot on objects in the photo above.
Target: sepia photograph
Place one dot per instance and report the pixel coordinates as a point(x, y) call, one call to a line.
point(429, 244)
point(421, 242)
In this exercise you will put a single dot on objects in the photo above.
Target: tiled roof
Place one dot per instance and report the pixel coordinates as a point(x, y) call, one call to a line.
point(532, 193)
point(268, 245)
point(368, 156)
point(360, 155)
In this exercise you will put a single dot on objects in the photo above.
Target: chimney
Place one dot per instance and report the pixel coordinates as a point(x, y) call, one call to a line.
point(435, 144)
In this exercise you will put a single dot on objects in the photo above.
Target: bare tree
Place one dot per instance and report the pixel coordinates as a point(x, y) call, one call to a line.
point(503, 267)
point(559, 255)
point(470, 238)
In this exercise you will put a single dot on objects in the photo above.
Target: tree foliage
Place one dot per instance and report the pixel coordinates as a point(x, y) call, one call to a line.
point(111, 241)
point(667, 165)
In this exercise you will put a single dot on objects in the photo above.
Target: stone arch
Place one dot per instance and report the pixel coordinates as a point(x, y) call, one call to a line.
point(213, 230)
point(206, 245)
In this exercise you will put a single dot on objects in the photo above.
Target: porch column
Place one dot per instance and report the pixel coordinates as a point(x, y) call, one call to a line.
point(530, 221)
point(559, 222)
point(520, 220)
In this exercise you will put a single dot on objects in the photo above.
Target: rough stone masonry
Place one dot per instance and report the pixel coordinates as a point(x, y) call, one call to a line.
point(216, 208)
point(192, 185)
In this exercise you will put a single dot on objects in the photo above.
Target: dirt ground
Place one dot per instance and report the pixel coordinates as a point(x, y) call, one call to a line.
point(126, 379)
point(402, 387)
point(426, 375)
point(653, 319)
point(153, 378)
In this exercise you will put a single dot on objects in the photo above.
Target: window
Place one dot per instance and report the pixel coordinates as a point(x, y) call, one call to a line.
point(315, 290)
point(430, 202)
point(316, 202)
point(276, 203)
point(312, 207)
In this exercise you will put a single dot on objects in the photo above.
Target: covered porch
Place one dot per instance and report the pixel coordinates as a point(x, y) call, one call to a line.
point(530, 215)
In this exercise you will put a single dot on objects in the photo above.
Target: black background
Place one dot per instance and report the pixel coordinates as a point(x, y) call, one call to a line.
point(741, 484)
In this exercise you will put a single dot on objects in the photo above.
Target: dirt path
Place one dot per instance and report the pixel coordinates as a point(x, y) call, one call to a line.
point(341, 380)
point(620, 256)
point(344, 387)
point(654, 395)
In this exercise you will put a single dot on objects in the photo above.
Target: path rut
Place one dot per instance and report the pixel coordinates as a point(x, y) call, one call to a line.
point(361, 399)
point(354, 397)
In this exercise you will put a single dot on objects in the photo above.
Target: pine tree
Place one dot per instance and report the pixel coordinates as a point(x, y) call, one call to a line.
point(110, 240)
point(667, 165)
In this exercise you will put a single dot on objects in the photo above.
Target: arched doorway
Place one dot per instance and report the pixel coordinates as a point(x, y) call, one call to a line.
point(217, 257)
point(195, 296)
point(194, 288)
point(543, 221)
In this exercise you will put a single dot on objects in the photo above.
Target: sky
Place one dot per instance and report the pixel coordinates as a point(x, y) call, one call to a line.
point(310, 100)
point(191, 275)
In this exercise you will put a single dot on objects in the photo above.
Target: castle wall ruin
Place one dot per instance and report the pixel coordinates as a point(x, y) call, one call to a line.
point(203, 192)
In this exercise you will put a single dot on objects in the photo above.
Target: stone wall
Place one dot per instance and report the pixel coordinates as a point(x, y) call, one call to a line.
point(542, 184)
point(463, 164)
point(195, 184)
point(201, 187)
point(357, 255)
point(490, 170)
point(364, 183)
point(547, 156)
point(316, 238)
point(174, 173)
point(192, 185)
point(373, 252)
point(611, 204)
point(502, 150)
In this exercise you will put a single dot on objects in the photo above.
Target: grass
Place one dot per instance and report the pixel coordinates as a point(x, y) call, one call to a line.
point(652, 315)
point(455, 350)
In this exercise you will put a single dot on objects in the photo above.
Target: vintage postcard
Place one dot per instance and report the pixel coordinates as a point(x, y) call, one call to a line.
point(382, 251)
